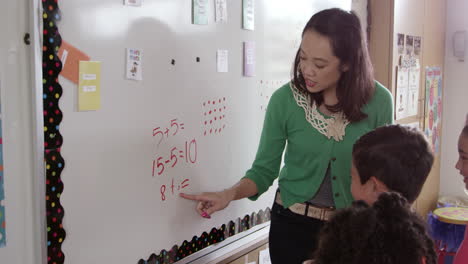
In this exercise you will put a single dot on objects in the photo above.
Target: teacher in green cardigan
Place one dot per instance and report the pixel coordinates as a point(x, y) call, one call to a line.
point(331, 100)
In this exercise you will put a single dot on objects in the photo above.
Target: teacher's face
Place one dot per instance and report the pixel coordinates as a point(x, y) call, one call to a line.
point(318, 64)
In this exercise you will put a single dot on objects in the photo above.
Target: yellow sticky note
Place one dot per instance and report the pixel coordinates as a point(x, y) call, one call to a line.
point(89, 86)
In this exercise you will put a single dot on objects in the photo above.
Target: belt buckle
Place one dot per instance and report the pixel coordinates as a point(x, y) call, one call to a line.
point(319, 212)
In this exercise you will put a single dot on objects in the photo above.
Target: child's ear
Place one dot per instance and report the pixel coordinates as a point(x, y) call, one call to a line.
point(379, 186)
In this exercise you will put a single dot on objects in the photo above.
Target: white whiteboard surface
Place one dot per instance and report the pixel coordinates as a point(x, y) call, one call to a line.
point(112, 202)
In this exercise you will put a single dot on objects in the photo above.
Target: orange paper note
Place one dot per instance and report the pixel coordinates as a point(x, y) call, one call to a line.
point(70, 57)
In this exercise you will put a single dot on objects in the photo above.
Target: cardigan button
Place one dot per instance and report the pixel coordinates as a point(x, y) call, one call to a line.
point(334, 177)
point(337, 194)
point(333, 159)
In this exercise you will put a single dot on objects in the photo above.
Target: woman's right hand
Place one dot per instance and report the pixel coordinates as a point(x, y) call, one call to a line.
point(210, 202)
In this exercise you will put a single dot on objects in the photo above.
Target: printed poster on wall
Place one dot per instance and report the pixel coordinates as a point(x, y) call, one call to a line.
point(221, 11)
point(407, 87)
point(413, 90)
point(433, 106)
point(134, 68)
point(402, 91)
point(2, 192)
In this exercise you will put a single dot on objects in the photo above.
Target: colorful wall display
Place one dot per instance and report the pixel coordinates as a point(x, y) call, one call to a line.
point(433, 106)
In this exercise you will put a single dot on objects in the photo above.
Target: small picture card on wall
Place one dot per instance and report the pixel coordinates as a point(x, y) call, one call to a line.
point(89, 91)
point(249, 58)
point(417, 45)
point(134, 67)
point(220, 11)
point(248, 11)
point(222, 60)
point(409, 45)
point(200, 12)
point(401, 43)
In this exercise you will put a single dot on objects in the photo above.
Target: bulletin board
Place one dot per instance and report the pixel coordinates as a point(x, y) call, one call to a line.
point(177, 107)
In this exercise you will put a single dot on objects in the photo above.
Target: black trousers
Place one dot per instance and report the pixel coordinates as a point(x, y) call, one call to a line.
point(293, 237)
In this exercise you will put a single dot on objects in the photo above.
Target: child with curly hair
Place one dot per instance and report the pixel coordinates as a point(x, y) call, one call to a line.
point(462, 165)
point(392, 158)
point(386, 232)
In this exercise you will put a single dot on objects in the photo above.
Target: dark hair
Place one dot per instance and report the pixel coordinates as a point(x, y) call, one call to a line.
point(356, 85)
point(387, 232)
point(398, 156)
point(465, 131)
point(465, 128)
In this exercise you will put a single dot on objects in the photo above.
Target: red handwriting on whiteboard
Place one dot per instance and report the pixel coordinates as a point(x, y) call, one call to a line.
point(160, 133)
point(188, 154)
point(214, 116)
point(173, 188)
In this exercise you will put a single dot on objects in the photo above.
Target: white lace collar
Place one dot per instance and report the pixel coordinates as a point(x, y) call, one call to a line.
point(333, 127)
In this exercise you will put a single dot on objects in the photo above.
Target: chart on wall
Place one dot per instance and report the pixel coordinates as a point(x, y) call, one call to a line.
point(159, 98)
point(433, 106)
point(407, 76)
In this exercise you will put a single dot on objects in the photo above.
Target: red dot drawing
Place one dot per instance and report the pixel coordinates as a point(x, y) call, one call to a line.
point(217, 122)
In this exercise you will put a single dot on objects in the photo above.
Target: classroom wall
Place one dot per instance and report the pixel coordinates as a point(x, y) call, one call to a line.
point(24, 195)
point(433, 52)
point(455, 101)
point(360, 8)
point(425, 18)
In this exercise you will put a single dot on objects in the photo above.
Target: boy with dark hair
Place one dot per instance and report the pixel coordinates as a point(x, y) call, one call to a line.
point(390, 158)
point(389, 167)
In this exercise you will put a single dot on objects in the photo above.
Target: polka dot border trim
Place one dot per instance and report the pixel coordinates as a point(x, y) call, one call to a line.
point(54, 162)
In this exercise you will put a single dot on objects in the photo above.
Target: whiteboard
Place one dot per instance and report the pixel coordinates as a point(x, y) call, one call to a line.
point(115, 210)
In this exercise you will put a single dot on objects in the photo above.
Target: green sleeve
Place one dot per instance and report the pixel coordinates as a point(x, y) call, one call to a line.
point(385, 106)
point(265, 168)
